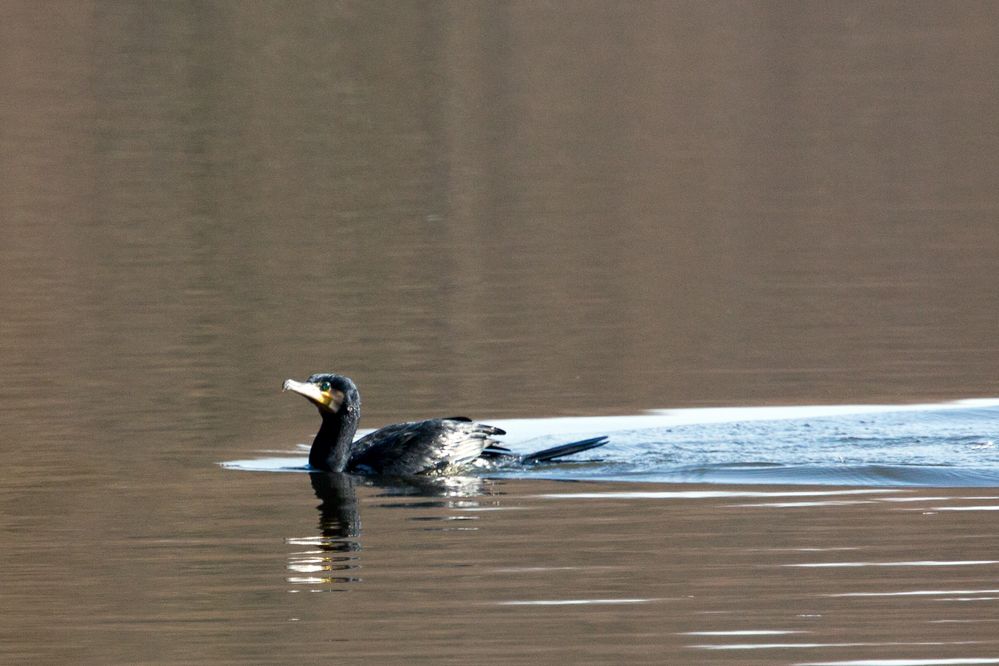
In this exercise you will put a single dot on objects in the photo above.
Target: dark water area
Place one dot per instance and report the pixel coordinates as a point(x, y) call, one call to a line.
point(663, 222)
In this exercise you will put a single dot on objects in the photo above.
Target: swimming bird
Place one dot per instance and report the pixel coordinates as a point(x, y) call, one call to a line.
point(430, 447)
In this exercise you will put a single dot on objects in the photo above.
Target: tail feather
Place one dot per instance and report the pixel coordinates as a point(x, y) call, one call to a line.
point(564, 450)
point(496, 451)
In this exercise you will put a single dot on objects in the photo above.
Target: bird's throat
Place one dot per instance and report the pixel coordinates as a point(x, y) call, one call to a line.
point(331, 448)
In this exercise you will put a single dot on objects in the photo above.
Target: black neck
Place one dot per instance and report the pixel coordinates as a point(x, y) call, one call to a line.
point(331, 447)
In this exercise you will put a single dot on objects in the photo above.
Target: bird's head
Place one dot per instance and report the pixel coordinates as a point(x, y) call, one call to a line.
point(330, 393)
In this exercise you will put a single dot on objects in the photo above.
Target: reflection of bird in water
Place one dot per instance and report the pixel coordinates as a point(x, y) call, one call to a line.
point(339, 518)
point(339, 513)
point(434, 446)
point(333, 558)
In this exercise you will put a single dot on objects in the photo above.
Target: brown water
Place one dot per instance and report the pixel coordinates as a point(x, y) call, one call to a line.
point(500, 209)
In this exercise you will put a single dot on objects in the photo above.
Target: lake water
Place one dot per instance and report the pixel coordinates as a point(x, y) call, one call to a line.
point(755, 244)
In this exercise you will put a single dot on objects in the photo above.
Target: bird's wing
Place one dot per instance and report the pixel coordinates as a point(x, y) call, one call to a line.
point(421, 447)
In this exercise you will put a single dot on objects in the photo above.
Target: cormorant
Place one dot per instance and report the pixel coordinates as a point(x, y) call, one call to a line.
point(434, 446)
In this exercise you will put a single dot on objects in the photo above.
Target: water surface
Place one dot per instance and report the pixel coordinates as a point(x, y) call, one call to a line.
point(568, 220)
point(240, 566)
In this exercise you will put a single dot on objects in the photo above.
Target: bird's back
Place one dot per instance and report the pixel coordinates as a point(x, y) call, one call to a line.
point(434, 446)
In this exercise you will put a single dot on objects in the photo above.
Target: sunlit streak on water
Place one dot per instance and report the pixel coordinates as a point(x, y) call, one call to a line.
point(573, 602)
point(791, 505)
point(904, 662)
point(795, 646)
point(317, 541)
point(976, 621)
point(746, 632)
point(911, 593)
point(923, 563)
point(710, 494)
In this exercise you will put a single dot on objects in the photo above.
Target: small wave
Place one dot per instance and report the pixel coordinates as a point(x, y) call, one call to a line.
point(283, 464)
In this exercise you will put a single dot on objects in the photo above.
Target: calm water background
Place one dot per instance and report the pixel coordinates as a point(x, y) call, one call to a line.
point(514, 211)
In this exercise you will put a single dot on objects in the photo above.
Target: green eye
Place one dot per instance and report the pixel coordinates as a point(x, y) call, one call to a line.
point(324, 386)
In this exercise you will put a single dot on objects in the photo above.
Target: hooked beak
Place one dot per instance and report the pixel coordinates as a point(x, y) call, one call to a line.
point(329, 401)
